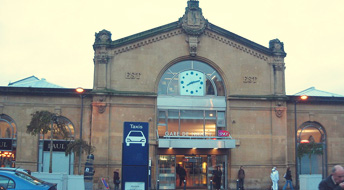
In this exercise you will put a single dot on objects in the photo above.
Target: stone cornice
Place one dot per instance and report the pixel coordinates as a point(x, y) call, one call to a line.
point(236, 45)
point(147, 41)
point(257, 97)
point(240, 40)
point(112, 92)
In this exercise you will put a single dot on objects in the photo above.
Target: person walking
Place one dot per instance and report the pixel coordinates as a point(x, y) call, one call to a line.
point(241, 177)
point(288, 179)
point(335, 181)
point(116, 179)
point(182, 174)
point(217, 175)
point(274, 178)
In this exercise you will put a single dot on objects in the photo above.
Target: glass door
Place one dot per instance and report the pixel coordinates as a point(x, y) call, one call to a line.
point(195, 171)
point(217, 171)
point(166, 171)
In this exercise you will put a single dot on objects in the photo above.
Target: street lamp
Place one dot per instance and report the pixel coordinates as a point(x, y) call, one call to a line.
point(81, 92)
point(300, 98)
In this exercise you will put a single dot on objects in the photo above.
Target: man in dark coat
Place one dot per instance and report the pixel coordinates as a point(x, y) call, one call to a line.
point(241, 177)
point(182, 174)
point(335, 181)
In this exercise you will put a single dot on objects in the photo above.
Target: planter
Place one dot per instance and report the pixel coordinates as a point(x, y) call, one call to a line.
point(310, 182)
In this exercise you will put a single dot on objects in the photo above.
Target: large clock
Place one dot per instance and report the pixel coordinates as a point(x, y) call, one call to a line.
point(191, 83)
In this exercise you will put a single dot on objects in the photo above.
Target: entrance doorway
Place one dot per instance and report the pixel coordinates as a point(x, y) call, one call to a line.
point(197, 170)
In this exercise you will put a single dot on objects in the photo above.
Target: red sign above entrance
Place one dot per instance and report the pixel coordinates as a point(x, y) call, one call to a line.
point(223, 133)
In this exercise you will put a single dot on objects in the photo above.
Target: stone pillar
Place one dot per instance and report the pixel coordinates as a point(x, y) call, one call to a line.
point(101, 59)
point(278, 66)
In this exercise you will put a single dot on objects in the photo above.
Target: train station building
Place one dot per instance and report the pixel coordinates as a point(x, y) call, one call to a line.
point(210, 98)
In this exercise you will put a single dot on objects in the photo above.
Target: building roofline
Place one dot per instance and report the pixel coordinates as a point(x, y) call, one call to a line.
point(239, 39)
point(176, 25)
point(18, 81)
point(316, 99)
point(40, 91)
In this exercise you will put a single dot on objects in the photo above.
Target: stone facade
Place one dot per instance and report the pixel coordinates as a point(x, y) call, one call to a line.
point(127, 72)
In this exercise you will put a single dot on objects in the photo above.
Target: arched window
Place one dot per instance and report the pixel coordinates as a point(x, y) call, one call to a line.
point(308, 133)
point(68, 130)
point(7, 127)
point(8, 134)
point(191, 100)
point(185, 77)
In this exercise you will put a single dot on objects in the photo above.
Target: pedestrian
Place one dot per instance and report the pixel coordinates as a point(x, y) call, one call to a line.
point(274, 178)
point(217, 175)
point(116, 179)
point(241, 177)
point(182, 174)
point(288, 179)
point(335, 181)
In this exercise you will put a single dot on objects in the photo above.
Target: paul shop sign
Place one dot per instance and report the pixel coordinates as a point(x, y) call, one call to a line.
point(59, 146)
point(5, 144)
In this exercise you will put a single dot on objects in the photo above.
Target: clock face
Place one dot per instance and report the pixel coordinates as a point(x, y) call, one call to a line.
point(191, 83)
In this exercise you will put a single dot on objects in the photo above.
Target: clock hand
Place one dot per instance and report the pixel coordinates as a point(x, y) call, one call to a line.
point(192, 82)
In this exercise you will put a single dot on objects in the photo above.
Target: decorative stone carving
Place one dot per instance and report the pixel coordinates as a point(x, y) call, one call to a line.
point(193, 42)
point(102, 38)
point(100, 104)
point(279, 66)
point(277, 48)
point(102, 58)
point(279, 111)
point(193, 24)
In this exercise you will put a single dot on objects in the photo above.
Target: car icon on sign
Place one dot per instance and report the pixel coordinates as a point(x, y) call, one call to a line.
point(135, 137)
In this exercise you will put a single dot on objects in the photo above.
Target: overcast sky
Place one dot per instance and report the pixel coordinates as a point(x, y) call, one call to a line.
point(53, 39)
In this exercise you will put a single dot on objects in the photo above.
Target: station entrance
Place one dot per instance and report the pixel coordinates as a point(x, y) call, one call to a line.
point(196, 170)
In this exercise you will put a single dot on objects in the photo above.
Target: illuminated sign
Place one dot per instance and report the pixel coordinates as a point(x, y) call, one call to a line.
point(223, 133)
point(5, 144)
point(187, 134)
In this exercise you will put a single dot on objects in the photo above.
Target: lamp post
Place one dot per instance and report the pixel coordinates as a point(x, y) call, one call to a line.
point(301, 98)
point(81, 92)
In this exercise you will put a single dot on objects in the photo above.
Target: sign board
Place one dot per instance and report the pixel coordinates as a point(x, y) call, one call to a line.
point(134, 186)
point(135, 156)
point(135, 175)
point(135, 143)
point(223, 133)
point(5, 144)
point(106, 185)
point(60, 146)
